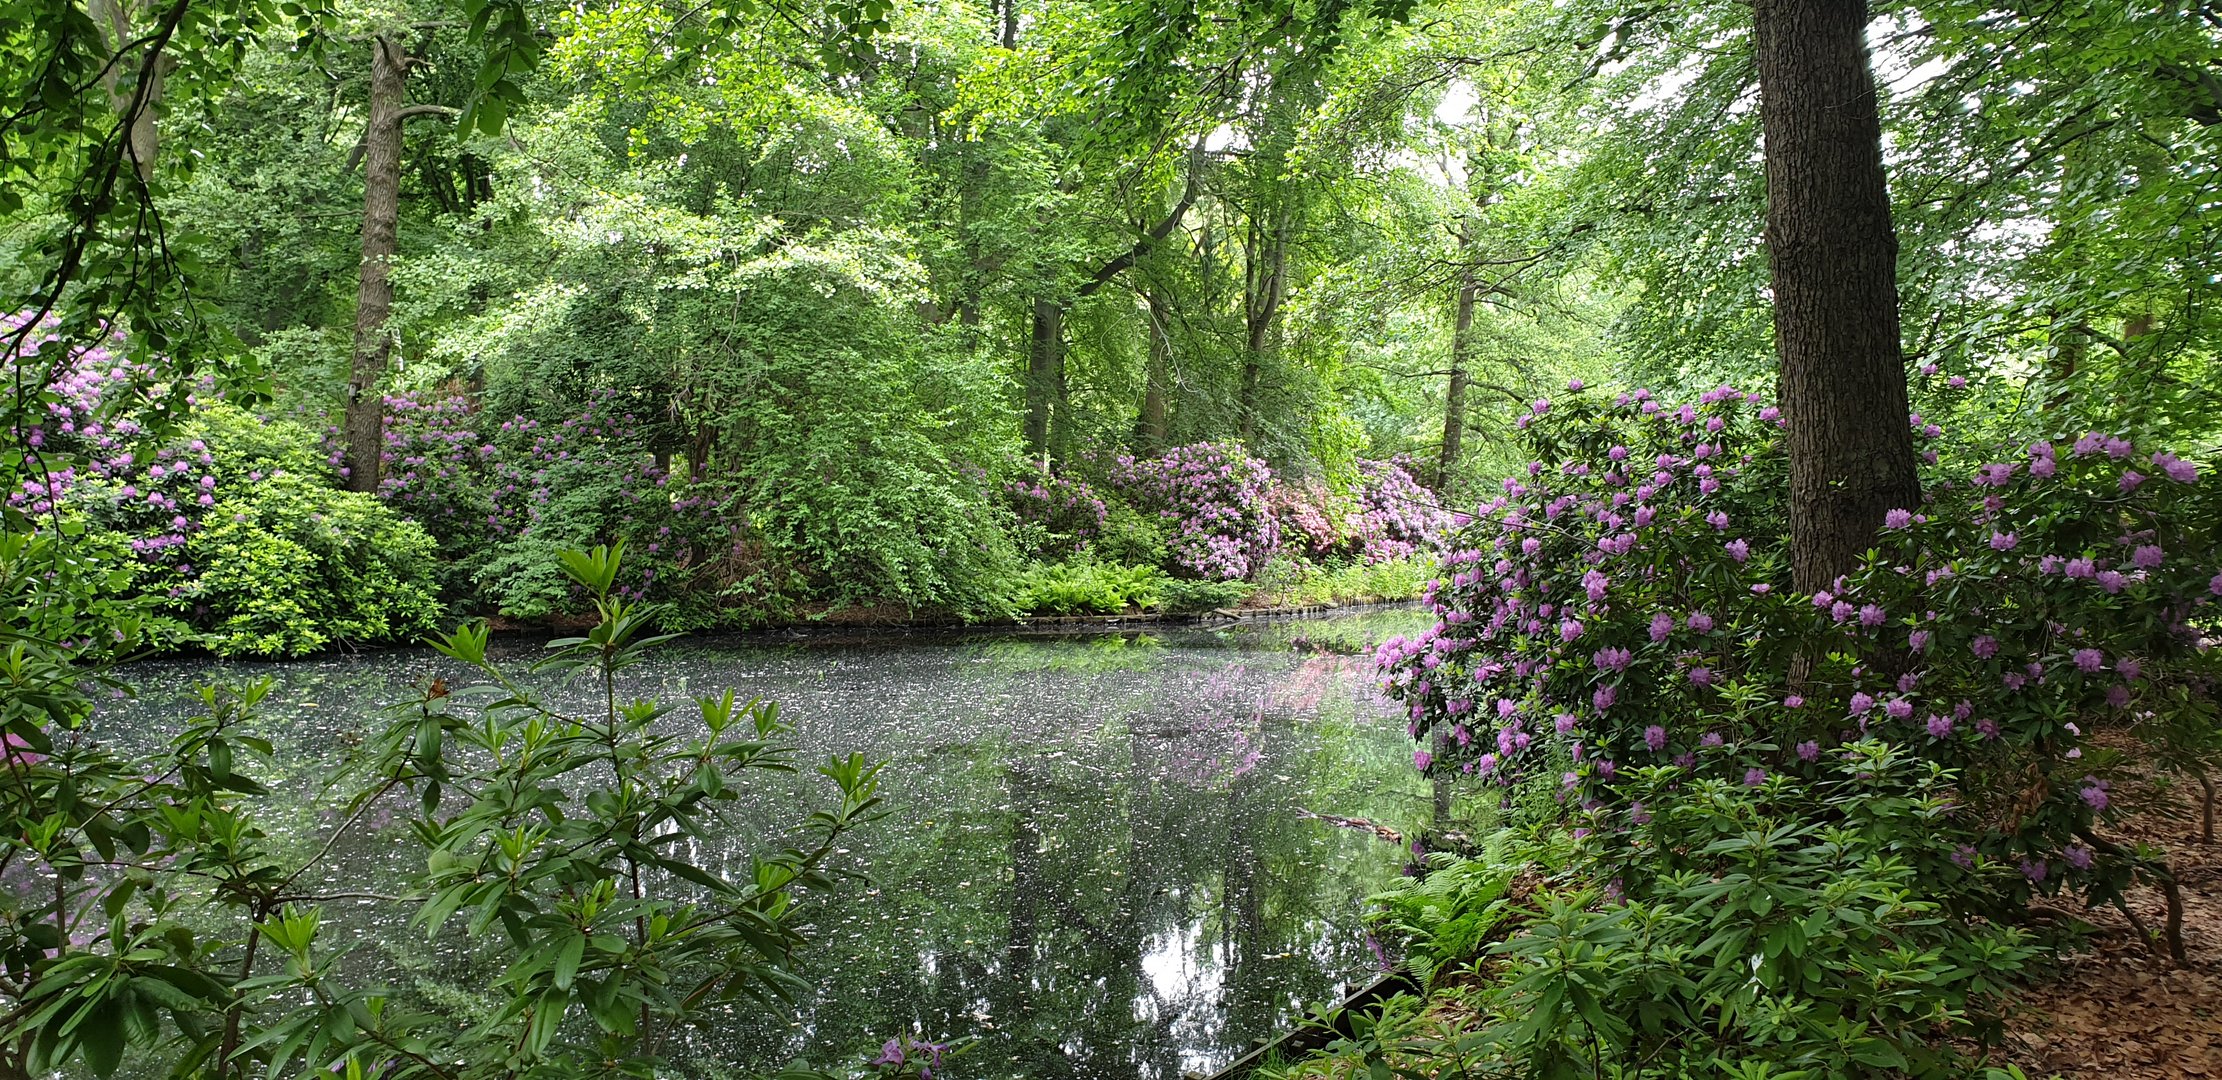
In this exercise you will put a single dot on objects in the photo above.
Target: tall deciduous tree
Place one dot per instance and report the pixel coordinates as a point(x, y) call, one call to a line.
point(389, 87)
point(1833, 257)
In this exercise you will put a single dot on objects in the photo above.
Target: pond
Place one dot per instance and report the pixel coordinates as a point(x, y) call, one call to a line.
point(1106, 856)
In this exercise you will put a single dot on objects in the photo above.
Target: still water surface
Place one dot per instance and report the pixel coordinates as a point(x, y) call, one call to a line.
point(1100, 861)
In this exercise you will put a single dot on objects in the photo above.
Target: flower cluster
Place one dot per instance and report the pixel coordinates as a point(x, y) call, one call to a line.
point(1397, 516)
point(1213, 498)
point(1065, 506)
point(1626, 603)
point(435, 464)
point(1312, 523)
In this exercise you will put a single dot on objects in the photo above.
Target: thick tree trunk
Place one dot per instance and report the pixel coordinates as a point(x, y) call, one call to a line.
point(1834, 260)
point(141, 144)
point(1152, 427)
point(1045, 376)
point(1454, 396)
point(389, 67)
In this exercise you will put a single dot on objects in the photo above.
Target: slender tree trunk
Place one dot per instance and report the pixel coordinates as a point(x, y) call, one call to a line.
point(1045, 376)
point(1266, 277)
point(1010, 23)
point(1834, 260)
point(1152, 428)
point(1454, 397)
point(389, 67)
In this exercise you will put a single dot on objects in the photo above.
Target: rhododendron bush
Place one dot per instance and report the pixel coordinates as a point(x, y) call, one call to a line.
point(1227, 515)
point(1625, 605)
point(1212, 498)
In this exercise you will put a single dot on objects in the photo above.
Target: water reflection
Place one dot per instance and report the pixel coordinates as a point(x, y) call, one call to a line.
point(1098, 861)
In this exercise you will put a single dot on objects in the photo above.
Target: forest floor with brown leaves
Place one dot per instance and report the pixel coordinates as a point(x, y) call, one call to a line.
point(2118, 1009)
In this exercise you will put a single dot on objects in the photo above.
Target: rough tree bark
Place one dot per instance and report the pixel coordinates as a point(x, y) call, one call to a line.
point(1834, 259)
point(389, 72)
point(1454, 396)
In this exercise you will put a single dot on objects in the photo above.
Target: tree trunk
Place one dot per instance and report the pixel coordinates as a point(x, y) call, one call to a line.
point(143, 141)
point(1045, 376)
point(1265, 278)
point(1152, 428)
point(1834, 260)
point(1454, 397)
point(389, 68)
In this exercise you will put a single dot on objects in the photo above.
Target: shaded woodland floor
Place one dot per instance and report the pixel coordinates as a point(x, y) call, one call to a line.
point(2117, 1009)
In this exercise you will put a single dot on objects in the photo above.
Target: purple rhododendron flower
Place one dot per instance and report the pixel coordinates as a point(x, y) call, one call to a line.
point(1701, 622)
point(1984, 646)
point(1754, 776)
point(1421, 759)
point(1898, 518)
point(1809, 751)
point(1898, 708)
point(1939, 726)
point(2004, 541)
point(2090, 660)
point(2146, 557)
point(1655, 738)
point(1871, 615)
point(1861, 702)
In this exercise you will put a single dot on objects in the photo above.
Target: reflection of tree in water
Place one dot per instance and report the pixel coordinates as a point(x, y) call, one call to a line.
point(1096, 862)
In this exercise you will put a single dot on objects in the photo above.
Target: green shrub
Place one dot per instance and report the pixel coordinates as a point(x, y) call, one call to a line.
point(245, 446)
point(1289, 583)
point(1783, 926)
point(289, 566)
point(1187, 595)
point(1130, 536)
point(1088, 588)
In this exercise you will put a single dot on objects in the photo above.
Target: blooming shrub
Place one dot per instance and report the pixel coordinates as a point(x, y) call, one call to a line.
point(1626, 604)
point(227, 525)
point(1311, 523)
point(1397, 516)
point(1212, 498)
point(436, 467)
point(1066, 508)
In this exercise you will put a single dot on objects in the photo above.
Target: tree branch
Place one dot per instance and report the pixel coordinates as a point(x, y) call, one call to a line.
point(1156, 233)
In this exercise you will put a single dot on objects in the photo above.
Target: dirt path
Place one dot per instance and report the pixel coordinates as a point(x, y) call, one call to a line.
point(2116, 1010)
